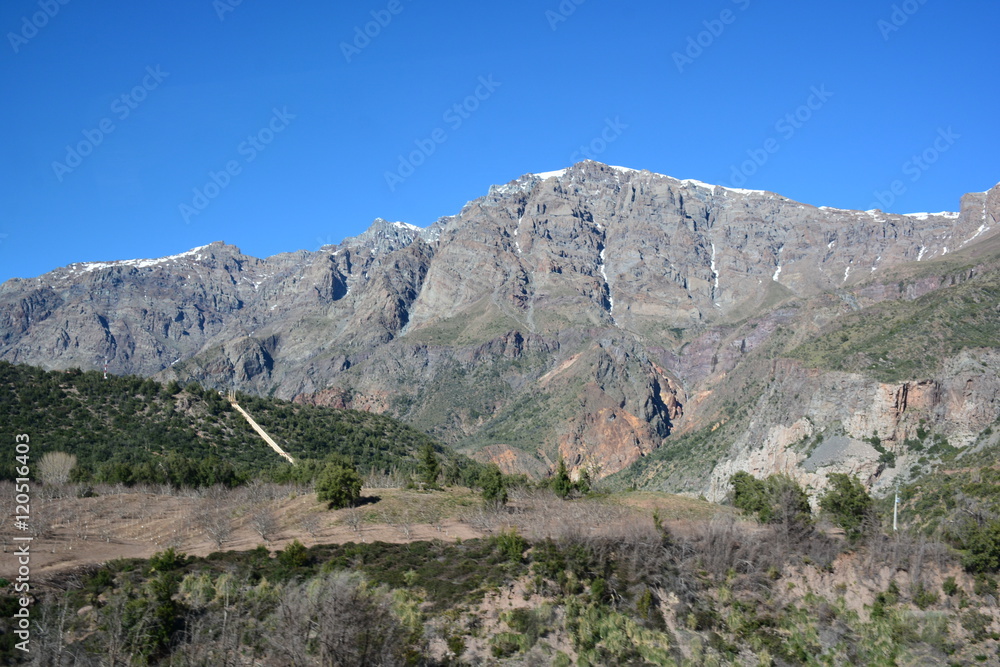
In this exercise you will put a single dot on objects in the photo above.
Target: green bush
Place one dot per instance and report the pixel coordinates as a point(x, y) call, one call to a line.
point(166, 561)
point(511, 545)
point(294, 555)
point(982, 547)
point(777, 499)
point(561, 483)
point(924, 597)
point(339, 485)
point(493, 485)
point(847, 503)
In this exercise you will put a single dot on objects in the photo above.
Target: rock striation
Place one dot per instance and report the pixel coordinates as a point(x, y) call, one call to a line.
point(592, 314)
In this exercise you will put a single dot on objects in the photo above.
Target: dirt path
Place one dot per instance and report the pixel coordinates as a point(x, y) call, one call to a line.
point(261, 431)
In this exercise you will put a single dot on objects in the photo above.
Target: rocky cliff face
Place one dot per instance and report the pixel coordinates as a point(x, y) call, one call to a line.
point(591, 314)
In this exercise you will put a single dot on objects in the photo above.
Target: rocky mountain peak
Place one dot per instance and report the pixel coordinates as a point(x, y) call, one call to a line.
point(589, 312)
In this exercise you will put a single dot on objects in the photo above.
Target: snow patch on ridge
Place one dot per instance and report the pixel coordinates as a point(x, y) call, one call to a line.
point(923, 216)
point(709, 186)
point(545, 175)
point(87, 267)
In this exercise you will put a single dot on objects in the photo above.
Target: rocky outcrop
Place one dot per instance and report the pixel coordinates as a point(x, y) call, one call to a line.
point(809, 423)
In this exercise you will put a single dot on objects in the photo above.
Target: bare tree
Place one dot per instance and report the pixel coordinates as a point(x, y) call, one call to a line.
point(213, 515)
point(55, 467)
point(310, 523)
point(263, 520)
point(260, 492)
point(48, 640)
point(354, 518)
point(335, 620)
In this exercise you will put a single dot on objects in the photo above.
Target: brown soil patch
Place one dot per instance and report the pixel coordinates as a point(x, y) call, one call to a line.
point(90, 531)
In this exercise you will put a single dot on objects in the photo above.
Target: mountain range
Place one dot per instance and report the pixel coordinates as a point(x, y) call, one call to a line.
point(659, 333)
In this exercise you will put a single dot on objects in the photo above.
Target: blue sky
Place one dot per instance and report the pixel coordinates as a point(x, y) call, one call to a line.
point(145, 129)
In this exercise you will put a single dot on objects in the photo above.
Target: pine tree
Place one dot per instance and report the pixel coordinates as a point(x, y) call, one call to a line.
point(494, 488)
point(429, 466)
point(561, 483)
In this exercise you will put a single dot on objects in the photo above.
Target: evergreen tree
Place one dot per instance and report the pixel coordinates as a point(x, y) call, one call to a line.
point(429, 466)
point(848, 503)
point(338, 485)
point(561, 483)
point(493, 485)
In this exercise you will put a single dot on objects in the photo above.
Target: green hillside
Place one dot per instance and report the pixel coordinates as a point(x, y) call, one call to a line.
point(905, 339)
point(902, 340)
point(133, 430)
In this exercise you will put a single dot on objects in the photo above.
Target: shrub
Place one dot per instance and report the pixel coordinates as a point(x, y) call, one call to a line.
point(493, 486)
point(166, 561)
point(750, 494)
point(923, 597)
point(977, 624)
point(561, 483)
point(511, 545)
point(778, 499)
point(338, 485)
point(982, 546)
point(294, 555)
point(847, 503)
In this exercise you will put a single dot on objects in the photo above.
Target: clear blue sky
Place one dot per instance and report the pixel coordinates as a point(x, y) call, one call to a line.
point(200, 78)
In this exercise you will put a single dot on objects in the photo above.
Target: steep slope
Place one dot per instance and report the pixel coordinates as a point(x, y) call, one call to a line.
point(880, 381)
point(596, 313)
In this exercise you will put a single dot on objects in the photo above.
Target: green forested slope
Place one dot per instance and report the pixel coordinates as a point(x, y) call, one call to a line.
point(131, 430)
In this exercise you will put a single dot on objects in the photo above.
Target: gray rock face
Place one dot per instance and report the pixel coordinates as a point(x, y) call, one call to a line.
point(584, 314)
